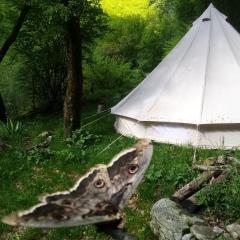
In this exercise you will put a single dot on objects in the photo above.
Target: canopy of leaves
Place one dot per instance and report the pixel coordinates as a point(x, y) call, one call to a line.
point(139, 34)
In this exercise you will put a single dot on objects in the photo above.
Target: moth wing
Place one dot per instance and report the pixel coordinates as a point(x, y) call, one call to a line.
point(87, 202)
point(96, 197)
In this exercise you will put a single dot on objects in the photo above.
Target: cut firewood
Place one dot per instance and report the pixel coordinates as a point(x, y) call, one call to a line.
point(192, 204)
point(209, 168)
point(215, 169)
point(232, 160)
point(219, 179)
point(194, 186)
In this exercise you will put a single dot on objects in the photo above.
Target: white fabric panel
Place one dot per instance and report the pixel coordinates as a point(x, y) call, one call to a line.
point(181, 98)
point(223, 76)
point(224, 136)
point(137, 103)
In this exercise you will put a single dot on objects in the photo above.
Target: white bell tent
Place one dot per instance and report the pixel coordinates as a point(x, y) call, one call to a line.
point(193, 95)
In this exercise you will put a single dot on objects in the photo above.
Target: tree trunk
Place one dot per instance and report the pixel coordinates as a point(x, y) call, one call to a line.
point(15, 31)
point(33, 95)
point(3, 114)
point(72, 101)
point(6, 45)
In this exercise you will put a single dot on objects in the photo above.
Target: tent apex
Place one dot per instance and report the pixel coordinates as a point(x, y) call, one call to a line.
point(211, 5)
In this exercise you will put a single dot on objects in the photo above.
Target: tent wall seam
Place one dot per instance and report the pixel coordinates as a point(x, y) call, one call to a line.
point(203, 92)
point(206, 71)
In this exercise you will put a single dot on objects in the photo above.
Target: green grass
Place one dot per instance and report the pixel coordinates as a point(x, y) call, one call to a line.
point(24, 176)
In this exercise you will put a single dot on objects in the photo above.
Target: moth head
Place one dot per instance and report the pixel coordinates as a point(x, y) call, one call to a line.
point(127, 168)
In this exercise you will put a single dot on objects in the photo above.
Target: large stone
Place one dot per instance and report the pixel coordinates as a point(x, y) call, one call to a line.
point(234, 230)
point(188, 236)
point(170, 221)
point(227, 236)
point(204, 232)
point(218, 230)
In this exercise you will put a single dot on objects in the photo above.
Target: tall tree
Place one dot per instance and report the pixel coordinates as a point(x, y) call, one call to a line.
point(3, 114)
point(15, 31)
point(85, 22)
point(80, 21)
point(72, 101)
point(6, 46)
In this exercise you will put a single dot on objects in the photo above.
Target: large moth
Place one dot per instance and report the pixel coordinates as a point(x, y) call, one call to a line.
point(97, 197)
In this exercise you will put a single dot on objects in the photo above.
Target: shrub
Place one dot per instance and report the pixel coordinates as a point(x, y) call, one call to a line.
point(10, 128)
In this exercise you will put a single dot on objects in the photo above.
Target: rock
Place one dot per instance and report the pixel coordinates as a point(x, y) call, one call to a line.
point(43, 144)
point(234, 230)
point(44, 134)
point(227, 236)
point(218, 230)
point(204, 232)
point(170, 221)
point(188, 236)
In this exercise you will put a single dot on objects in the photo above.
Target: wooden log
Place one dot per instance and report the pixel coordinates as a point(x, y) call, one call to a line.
point(233, 160)
point(209, 168)
point(220, 178)
point(191, 204)
point(215, 170)
point(212, 161)
point(194, 186)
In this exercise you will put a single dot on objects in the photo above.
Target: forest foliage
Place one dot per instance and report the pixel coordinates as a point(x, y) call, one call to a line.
point(121, 46)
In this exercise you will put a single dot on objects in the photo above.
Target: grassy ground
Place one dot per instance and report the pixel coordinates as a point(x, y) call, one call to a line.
point(24, 176)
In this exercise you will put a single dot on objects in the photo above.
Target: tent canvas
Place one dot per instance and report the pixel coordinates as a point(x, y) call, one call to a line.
point(193, 95)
